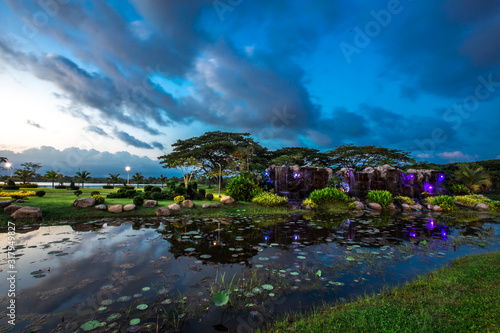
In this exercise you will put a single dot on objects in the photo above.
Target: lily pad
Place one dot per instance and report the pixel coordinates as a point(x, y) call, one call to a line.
point(113, 316)
point(90, 325)
point(135, 321)
point(350, 258)
point(190, 249)
point(142, 306)
point(267, 287)
point(206, 256)
point(146, 289)
point(481, 244)
point(221, 298)
point(318, 273)
point(124, 299)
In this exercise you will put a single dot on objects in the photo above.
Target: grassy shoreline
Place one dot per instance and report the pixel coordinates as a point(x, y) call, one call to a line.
point(463, 297)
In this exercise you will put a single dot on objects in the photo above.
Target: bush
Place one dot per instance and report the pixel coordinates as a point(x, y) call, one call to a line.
point(28, 185)
point(94, 193)
point(168, 193)
point(192, 189)
point(209, 197)
point(40, 193)
point(178, 199)
point(157, 196)
point(8, 187)
point(155, 189)
point(241, 188)
point(495, 206)
point(17, 195)
point(108, 187)
point(171, 184)
point(99, 199)
point(335, 182)
point(73, 187)
point(61, 187)
point(406, 200)
point(180, 190)
point(78, 193)
point(148, 188)
point(10, 182)
point(328, 194)
point(310, 203)
point(471, 200)
point(383, 198)
point(202, 193)
point(444, 201)
point(269, 199)
point(459, 189)
point(138, 200)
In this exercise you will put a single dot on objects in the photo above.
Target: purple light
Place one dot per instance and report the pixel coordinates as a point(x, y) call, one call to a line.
point(296, 237)
point(266, 174)
point(266, 238)
point(411, 176)
point(431, 224)
point(441, 177)
point(444, 233)
point(296, 175)
point(346, 187)
point(413, 234)
point(428, 187)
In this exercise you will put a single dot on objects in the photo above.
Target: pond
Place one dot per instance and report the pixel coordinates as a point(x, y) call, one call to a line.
point(134, 275)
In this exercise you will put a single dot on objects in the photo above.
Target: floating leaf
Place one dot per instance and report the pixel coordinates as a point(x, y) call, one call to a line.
point(142, 306)
point(349, 258)
point(318, 273)
point(190, 249)
point(124, 299)
point(271, 295)
point(206, 256)
point(146, 289)
point(220, 298)
point(267, 287)
point(135, 321)
point(102, 308)
point(90, 325)
point(301, 257)
point(423, 242)
point(113, 316)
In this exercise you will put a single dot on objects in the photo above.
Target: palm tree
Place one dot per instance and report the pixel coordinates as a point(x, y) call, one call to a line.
point(83, 176)
point(138, 178)
point(163, 179)
point(114, 178)
point(25, 175)
point(53, 175)
point(3, 159)
point(472, 176)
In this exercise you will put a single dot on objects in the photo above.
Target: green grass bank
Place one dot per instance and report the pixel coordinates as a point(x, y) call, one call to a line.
point(463, 297)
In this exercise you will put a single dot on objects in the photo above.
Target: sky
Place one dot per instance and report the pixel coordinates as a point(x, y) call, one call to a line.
point(97, 85)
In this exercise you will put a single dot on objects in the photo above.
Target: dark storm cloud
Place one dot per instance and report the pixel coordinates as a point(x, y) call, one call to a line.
point(131, 140)
point(158, 145)
point(97, 130)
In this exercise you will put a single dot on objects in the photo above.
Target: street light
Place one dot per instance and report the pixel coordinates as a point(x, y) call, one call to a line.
point(127, 168)
point(220, 177)
point(9, 165)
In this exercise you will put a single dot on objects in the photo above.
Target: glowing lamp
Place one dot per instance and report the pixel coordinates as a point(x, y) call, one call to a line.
point(296, 175)
point(441, 177)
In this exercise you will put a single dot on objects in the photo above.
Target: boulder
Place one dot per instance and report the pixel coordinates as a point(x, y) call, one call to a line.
point(391, 206)
point(20, 200)
point(100, 207)
point(204, 206)
point(436, 208)
point(187, 204)
point(227, 200)
point(84, 202)
point(115, 209)
point(174, 207)
point(359, 205)
point(374, 206)
point(406, 207)
point(128, 208)
point(150, 203)
point(4, 204)
point(482, 207)
point(162, 212)
point(215, 205)
point(27, 213)
point(417, 207)
point(11, 209)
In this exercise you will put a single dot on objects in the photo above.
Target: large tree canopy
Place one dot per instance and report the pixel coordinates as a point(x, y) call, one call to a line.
point(213, 150)
point(360, 157)
point(299, 156)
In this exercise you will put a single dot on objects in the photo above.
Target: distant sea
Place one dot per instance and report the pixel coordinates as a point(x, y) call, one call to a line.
point(87, 185)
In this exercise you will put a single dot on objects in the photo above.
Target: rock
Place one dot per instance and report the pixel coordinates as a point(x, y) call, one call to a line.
point(417, 207)
point(359, 205)
point(391, 206)
point(204, 206)
point(482, 207)
point(306, 207)
point(374, 206)
point(115, 209)
point(128, 208)
point(27, 213)
point(4, 204)
point(11, 209)
point(436, 208)
point(20, 200)
point(84, 202)
point(187, 204)
point(406, 207)
point(163, 211)
point(150, 203)
point(215, 205)
point(100, 207)
point(174, 207)
point(227, 200)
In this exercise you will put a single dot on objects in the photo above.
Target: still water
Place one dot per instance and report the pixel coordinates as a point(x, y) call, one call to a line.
point(134, 275)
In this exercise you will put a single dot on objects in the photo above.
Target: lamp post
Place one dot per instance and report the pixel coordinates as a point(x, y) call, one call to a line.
point(220, 177)
point(127, 168)
point(9, 165)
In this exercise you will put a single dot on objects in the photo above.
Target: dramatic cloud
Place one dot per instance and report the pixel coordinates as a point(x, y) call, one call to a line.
point(130, 140)
point(97, 130)
point(98, 163)
point(455, 156)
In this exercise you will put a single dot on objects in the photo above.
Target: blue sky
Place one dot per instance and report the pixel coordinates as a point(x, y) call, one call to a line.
point(97, 85)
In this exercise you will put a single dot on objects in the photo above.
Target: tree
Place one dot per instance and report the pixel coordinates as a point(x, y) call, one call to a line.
point(187, 165)
point(138, 178)
point(113, 178)
point(3, 159)
point(213, 150)
point(53, 175)
point(299, 156)
point(25, 175)
point(163, 179)
point(360, 157)
point(83, 176)
point(31, 166)
point(472, 176)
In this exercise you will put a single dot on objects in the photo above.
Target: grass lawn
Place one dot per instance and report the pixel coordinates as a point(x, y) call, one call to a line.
point(464, 297)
